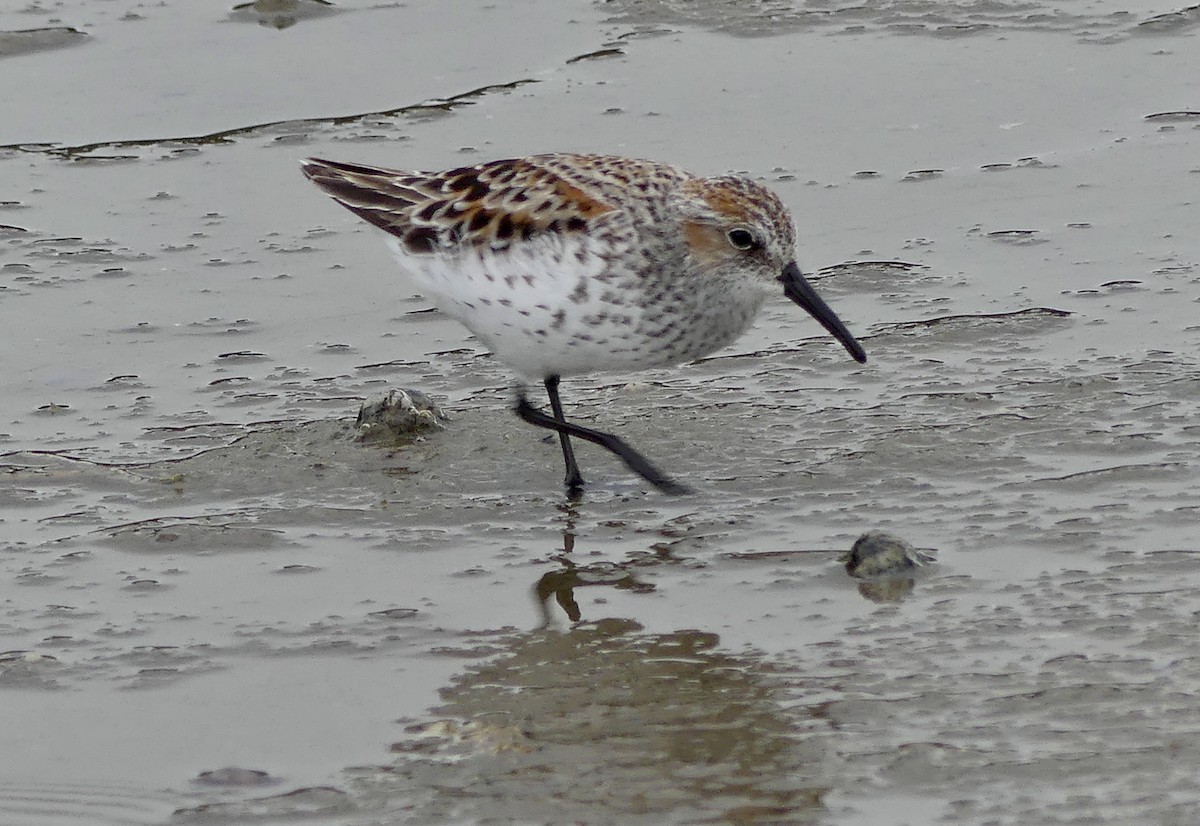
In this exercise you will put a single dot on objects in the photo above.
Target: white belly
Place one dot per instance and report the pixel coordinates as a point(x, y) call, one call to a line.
point(552, 308)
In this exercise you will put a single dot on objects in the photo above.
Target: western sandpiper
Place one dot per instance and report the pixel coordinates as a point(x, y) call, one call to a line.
point(563, 264)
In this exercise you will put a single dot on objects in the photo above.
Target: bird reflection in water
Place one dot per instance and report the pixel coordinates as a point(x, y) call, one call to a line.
point(561, 584)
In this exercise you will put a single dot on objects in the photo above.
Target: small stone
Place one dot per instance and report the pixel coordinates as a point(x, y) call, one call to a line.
point(876, 554)
point(232, 776)
point(400, 418)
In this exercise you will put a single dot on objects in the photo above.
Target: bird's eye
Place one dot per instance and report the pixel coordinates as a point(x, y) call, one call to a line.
point(742, 239)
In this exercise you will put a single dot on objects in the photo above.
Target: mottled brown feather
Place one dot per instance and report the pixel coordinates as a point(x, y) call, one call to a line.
point(478, 206)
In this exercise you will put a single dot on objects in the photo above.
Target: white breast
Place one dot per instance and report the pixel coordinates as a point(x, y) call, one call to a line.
point(525, 303)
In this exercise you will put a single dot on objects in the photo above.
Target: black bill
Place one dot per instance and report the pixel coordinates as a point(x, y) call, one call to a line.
point(799, 290)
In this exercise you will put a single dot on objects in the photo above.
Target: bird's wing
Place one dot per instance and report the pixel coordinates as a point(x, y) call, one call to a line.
point(487, 206)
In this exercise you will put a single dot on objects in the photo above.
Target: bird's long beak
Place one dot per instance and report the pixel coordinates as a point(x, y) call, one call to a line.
point(799, 290)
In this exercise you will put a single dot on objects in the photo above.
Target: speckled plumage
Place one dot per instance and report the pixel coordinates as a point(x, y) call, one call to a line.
point(564, 264)
point(567, 264)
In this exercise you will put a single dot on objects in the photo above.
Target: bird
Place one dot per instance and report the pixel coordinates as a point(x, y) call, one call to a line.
point(564, 264)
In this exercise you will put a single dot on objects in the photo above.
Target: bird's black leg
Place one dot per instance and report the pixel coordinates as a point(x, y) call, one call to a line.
point(573, 479)
point(635, 461)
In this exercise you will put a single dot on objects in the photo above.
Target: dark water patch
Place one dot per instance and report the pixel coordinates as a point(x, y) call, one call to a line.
point(30, 670)
point(235, 777)
point(27, 41)
point(316, 803)
point(281, 14)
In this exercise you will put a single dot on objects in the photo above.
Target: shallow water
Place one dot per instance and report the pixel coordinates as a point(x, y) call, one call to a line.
point(202, 569)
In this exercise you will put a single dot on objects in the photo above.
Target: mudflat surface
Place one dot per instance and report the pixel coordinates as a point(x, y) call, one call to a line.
point(217, 607)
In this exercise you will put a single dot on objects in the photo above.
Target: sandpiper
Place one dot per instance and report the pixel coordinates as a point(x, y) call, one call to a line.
point(563, 264)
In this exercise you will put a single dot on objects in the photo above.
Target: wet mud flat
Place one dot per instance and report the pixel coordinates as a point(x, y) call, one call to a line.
point(219, 606)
